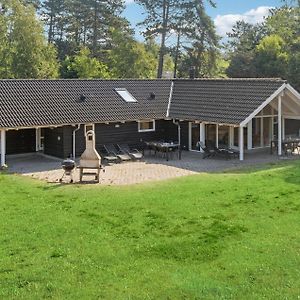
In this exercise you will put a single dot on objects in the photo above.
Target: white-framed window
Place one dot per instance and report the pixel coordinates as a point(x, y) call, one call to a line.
point(125, 95)
point(88, 127)
point(146, 126)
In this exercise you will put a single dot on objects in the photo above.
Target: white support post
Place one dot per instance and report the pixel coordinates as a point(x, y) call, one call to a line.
point(217, 135)
point(202, 134)
point(261, 132)
point(179, 133)
point(283, 128)
point(241, 142)
point(3, 147)
point(37, 140)
point(279, 126)
point(190, 136)
point(231, 137)
point(249, 135)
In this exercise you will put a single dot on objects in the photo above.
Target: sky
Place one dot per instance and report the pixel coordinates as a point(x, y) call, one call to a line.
point(225, 15)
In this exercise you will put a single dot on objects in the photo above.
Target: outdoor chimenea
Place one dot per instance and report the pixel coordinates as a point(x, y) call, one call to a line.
point(90, 158)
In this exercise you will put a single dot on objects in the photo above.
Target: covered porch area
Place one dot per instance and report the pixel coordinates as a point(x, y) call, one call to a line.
point(276, 122)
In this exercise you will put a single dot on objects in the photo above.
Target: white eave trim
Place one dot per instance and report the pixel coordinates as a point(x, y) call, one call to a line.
point(263, 105)
point(170, 99)
point(293, 91)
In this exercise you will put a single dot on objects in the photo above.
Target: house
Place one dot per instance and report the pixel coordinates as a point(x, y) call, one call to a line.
point(52, 116)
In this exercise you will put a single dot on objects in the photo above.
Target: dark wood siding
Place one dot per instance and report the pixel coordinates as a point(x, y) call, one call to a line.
point(292, 127)
point(184, 135)
point(20, 141)
point(54, 142)
point(126, 133)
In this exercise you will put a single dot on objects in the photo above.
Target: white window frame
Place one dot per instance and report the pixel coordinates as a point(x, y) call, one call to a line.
point(85, 128)
point(146, 130)
point(125, 95)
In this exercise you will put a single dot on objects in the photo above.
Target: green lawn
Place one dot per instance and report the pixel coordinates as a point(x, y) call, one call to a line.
point(210, 236)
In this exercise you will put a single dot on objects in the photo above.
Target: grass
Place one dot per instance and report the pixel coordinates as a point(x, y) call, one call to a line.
point(210, 236)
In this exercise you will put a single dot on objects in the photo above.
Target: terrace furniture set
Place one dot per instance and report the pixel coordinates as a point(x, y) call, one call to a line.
point(289, 145)
point(167, 149)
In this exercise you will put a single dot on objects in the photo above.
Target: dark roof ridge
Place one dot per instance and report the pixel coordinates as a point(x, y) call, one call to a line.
point(232, 79)
point(84, 79)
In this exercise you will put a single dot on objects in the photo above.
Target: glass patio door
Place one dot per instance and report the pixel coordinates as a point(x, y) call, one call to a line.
point(195, 136)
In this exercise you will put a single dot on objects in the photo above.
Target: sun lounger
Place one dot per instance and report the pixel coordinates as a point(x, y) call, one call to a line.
point(133, 153)
point(123, 156)
point(226, 152)
point(109, 157)
point(208, 152)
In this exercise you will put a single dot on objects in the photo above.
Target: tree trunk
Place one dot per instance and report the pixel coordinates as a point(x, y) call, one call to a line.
point(177, 54)
point(50, 32)
point(163, 38)
point(95, 37)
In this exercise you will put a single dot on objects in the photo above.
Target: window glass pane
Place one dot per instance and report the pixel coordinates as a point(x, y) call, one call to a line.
point(267, 110)
point(126, 96)
point(195, 136)
point(146, 125)
point(256, 132)
point(223, 136)
point(210, 135)
point(267, 131)
point(236, 137)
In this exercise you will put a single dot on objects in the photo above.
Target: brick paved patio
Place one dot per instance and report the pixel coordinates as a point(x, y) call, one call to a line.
point(151, 169)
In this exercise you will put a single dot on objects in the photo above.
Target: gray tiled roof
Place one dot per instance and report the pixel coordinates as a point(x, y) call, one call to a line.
point(30, 103)
point(25, 103)
point(228, 101)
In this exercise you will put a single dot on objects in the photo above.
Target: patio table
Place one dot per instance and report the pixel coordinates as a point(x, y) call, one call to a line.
point(165, 148)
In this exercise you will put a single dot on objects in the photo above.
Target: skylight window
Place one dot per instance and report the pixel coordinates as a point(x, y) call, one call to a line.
point(125, 95)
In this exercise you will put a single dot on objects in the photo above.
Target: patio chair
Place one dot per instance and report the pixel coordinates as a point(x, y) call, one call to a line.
point(123, 156)
point(133, 153)
point(208, 152)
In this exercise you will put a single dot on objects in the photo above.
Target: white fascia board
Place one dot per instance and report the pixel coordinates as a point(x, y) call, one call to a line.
point(263, 105)
point(295, 96)
point(293, 91)
point(170, 99)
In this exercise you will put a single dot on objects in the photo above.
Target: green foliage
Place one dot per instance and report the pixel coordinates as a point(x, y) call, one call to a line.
point(26, 55)
point(129, 58)
point(5, 56)
point(270, 49)
point(271, 58)
point(209, 236)
point(84, 66)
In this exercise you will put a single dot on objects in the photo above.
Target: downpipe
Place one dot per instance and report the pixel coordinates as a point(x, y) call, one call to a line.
point(74, 140)
point(179, 130)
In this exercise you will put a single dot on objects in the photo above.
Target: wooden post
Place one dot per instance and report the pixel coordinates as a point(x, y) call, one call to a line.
point(217, 135)
point(279, 126)
point(202, 134)
point(231, 137)
point(241, 142)
point(249, 135)
point(37, 140)
point(179, 133)
point(3, 147)
point(283, 128)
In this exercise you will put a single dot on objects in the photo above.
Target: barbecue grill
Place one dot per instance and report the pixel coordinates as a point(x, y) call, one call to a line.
point(68, 165)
